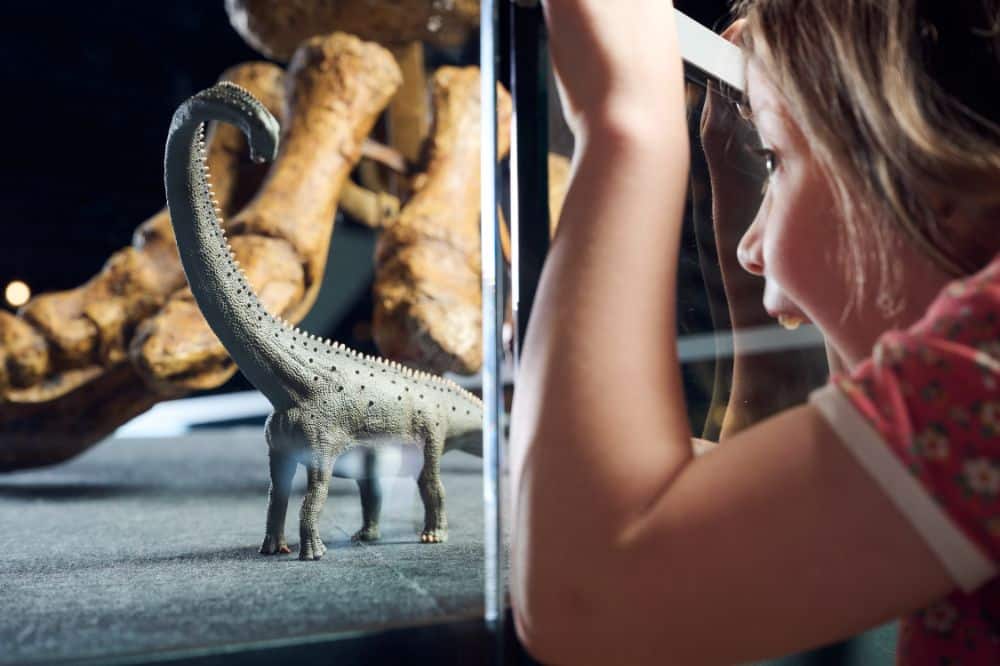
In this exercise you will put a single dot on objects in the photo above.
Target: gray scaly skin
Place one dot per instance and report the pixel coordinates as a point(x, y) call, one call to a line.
point(327, 398)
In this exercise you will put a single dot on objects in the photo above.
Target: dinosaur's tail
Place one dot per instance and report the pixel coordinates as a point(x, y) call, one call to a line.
point(220, 288)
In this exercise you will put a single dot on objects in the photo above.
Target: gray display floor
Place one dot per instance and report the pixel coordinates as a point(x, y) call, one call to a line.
point(150, 544)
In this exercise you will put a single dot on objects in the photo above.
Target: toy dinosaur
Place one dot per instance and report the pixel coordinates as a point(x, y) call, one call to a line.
point(327, 398)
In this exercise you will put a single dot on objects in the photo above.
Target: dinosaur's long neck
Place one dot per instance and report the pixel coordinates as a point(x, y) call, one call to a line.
point(229, 304)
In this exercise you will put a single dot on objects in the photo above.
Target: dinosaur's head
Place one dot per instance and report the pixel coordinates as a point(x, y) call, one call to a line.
point(261, 128)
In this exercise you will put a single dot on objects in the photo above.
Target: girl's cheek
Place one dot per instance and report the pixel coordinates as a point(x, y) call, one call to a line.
point(789, 244)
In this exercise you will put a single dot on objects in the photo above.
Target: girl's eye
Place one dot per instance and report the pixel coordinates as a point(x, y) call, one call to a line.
point(770, 159)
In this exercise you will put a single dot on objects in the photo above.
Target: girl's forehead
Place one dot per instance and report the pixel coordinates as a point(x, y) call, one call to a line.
point(760, 90)
point(768, 109)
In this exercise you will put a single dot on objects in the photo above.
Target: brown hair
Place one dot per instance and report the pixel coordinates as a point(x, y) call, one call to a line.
point(900, 100)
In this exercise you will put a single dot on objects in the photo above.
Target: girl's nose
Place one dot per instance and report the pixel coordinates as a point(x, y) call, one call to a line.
point(750, 252)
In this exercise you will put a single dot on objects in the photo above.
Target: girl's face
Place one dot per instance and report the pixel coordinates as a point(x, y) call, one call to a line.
point(793, 241)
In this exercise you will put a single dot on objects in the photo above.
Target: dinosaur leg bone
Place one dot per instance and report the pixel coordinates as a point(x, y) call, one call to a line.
point(427, 279)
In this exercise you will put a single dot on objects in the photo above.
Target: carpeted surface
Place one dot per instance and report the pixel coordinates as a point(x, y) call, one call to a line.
point(148, 544)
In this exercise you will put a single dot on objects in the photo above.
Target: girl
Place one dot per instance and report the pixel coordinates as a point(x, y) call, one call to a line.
point(880, 127)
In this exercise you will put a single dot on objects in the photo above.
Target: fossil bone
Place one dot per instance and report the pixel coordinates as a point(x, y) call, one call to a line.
point(427, 284)
point(385, 155)
point(69, 392)
point(276, 27)
point(89, 325)
point(372, 209)
point(282, 240)
point(24, 352)
point(340, 86)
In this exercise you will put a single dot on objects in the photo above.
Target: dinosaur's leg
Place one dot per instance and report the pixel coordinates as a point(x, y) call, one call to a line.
point(371, 501)
point(318, 473)
point(432, 493)
point(282, 472)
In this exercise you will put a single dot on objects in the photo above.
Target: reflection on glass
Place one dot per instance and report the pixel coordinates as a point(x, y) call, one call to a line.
point(721, 304)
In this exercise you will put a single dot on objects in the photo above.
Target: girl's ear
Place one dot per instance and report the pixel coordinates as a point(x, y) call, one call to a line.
point(962, 222)
point(946, 209)
point(735, 31)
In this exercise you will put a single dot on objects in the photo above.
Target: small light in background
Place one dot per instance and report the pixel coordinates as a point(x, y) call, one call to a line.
point(17, 293)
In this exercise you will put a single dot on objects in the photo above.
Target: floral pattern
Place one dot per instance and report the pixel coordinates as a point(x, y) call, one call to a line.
point(941, 617)
point(989, 415)
point(932, 443)
point(981, 476)
point(933, 393)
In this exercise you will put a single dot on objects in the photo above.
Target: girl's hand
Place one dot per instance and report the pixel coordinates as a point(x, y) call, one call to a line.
point(617, 63)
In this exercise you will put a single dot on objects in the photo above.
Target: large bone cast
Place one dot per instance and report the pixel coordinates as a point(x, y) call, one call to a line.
point(338, 86)
point(427, 284)
point(62, 334)
point(67, 384)
point(276, 27)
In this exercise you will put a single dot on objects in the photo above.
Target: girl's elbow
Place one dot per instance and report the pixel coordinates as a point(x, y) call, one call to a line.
point(558, 614)
point(537, 640)
point(550, 632)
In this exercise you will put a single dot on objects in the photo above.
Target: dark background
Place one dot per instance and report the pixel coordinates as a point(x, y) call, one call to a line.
point(88, 92)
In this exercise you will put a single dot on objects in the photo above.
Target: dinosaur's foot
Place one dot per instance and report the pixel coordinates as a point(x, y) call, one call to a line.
point(366, 534)
point(434, 536)
point(311, 548)
point(274, 546)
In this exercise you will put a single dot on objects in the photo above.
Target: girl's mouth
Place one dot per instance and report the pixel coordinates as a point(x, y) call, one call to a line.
point(790, 322)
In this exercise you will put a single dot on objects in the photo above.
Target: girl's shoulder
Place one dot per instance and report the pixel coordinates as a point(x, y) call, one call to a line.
point(931, 394)
point(941, 374)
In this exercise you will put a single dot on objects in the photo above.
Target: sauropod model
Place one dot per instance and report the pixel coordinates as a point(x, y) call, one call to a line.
point(326, 398)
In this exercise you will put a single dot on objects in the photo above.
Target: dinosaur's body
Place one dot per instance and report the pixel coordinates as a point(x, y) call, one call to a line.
point(326, 398)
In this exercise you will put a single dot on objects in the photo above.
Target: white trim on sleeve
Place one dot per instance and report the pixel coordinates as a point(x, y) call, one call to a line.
point(967, 564)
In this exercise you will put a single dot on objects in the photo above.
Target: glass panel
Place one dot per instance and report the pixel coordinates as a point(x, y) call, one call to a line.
point(740, 366)
point(723, 328)
point(134, 467)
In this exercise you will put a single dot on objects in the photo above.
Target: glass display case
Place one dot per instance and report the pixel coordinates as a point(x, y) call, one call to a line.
point(134, 465)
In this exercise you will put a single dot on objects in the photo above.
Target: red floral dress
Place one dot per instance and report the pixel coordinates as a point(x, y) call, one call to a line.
point(923, 417)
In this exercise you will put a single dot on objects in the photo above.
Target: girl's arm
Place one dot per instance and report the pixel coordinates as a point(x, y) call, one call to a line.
point(626, 549)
